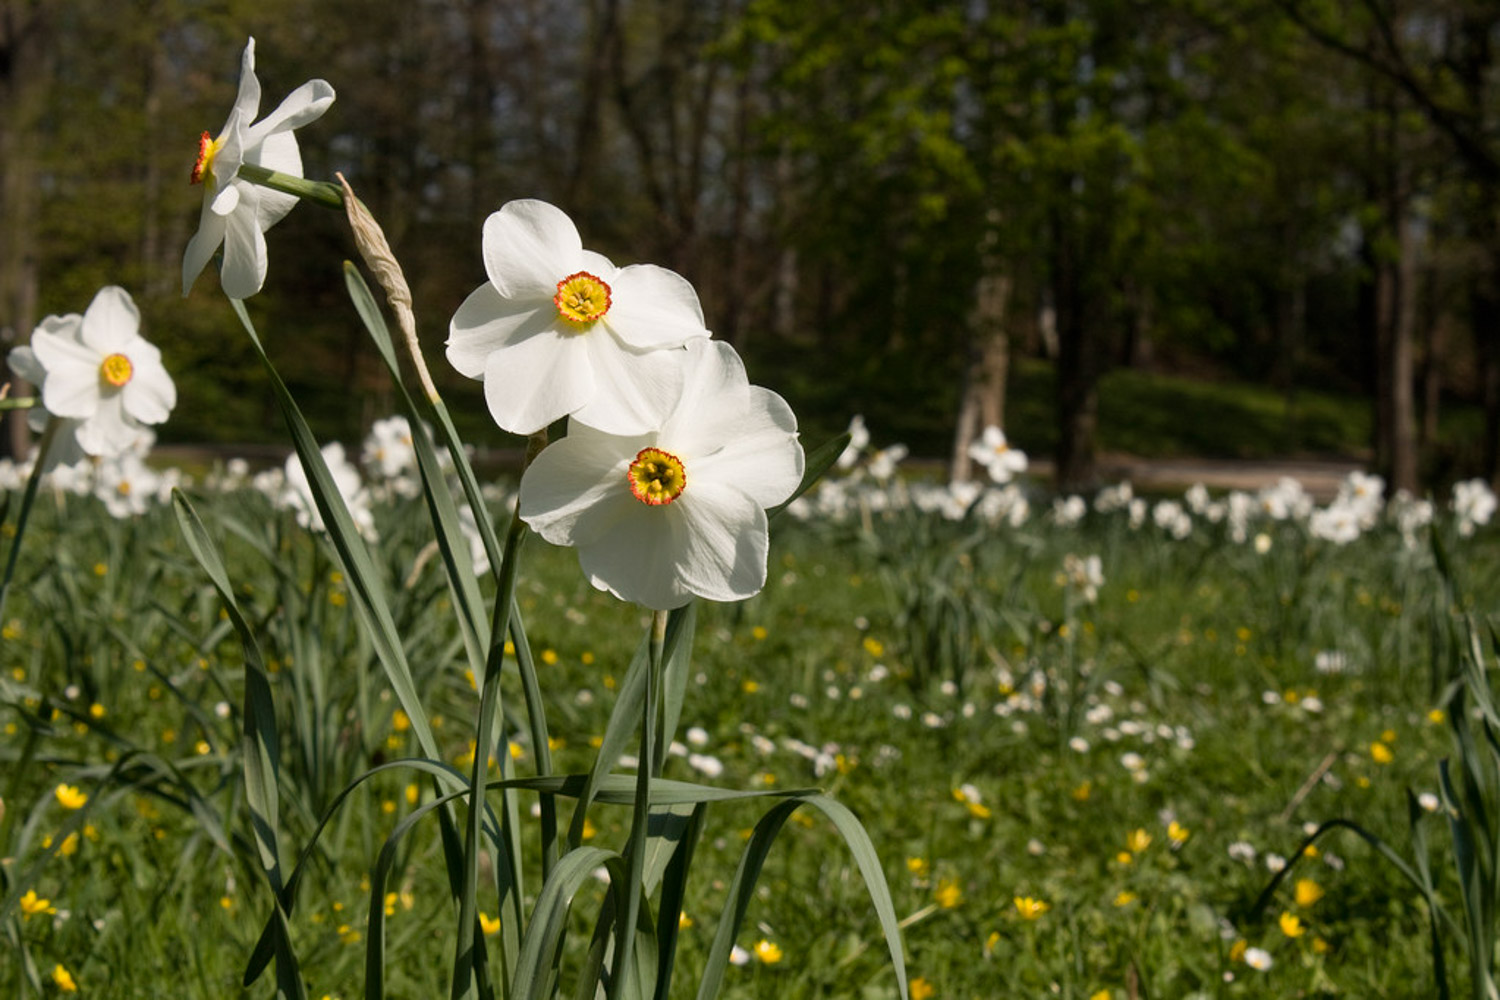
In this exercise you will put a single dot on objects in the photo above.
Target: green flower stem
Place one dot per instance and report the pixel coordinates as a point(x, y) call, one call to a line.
point(627, 916)
point(27, 500)
point(20, 402)
point(318, 192)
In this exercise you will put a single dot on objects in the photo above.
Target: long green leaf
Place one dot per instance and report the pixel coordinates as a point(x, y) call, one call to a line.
point(549, 918)
point(354, 557)
point(259, 754)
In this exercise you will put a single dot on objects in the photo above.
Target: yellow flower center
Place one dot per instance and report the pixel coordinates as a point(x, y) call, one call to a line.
point(656, 478)
point(581, 298)
point(116, 370)
point(208, 148)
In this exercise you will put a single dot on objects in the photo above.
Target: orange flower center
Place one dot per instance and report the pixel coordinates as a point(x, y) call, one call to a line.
point(581, 298)
point(116, 370)
point(208, 148)
point(656, 477)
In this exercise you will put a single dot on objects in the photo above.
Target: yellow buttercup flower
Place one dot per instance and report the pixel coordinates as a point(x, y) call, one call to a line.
point(921, 989)
point(1291, 925)
point(1308, 892)
point(948, 893)
point(69, 797)
point(1380, 753)
point(489, 924)
point(768, 952)
point(63, 979)
point(1178, 834)
point(33, 905)
point(1031, 909)
point(1137, 841)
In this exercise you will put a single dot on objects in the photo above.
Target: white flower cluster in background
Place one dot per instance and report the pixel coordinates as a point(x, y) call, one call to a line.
point(871, 484)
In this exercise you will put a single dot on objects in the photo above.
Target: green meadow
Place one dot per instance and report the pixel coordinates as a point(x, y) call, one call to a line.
point(1067, 798)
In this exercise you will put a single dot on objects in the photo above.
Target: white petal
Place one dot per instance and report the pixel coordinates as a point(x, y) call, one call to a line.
point(303, 105)
point(485, 322)
point(108, 431)
point(71, 391)
point(280, 153)
point(71, 388)
point(633, 392)
point(638, 558)
point(150, 394)
point(244, 269)
point(201, 248)
point(529, 246)
point(111, 320)
point(715, 392)
point(58, 339)
point(726, 543)
point(24, 363)
point(227, 200)
point(653, 307)
point(573, 477)
point(247, 101)
point(762, 457)
point(537, 379)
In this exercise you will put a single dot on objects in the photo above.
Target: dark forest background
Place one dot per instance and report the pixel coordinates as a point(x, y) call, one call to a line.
point(891, 207)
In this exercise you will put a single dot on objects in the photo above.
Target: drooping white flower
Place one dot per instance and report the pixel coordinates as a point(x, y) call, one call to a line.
point(559, 330)
point(237, 213)
point(994, 452)
point(679, 510)
point(99, 372)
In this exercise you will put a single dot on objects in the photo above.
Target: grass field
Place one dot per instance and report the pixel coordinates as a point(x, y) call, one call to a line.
point(1068, 798)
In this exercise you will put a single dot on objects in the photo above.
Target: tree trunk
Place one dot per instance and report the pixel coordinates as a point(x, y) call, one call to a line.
point(24, 73)
point(983, 400)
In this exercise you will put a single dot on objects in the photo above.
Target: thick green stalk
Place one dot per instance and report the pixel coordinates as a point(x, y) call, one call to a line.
point(318, 192)
point(627, 916)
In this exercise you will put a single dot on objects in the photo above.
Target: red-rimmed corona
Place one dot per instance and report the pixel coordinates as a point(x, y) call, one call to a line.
point(582, 298)
point(656, 477)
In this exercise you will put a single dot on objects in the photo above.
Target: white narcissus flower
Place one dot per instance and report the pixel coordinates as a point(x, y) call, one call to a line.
point(99, 372)
point(559, 330)
point(237, 213)
point(296, 492)
point(126, 485)
point(994, 452)
point(388, 448)
point(679, 510)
